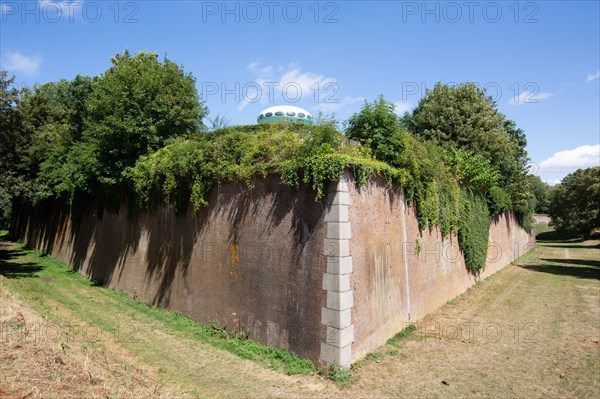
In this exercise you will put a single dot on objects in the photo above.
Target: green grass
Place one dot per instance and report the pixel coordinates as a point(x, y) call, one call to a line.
point(407, 333)
point(341, 376)
point(395, 342)
point(374, 356)
point(541, 228)
point(42, 281)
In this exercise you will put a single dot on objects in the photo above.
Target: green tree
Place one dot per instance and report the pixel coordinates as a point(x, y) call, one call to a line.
point(324, 119)
point(136, 107)
point(54, 114)
point(377, 126)
point(575, 203)
point(218, 122)
point(541, 194)
point(463, 116)
point(13, 147)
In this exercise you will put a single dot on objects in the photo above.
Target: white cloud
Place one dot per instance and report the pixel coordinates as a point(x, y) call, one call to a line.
point(14, 61)
point(568, 161)
point(553, 182)
point(593, 76)
point(279, 83)
point(60, 10)
point(402, 107)
point(529, 97)
point(5, 8)
point(336, 105)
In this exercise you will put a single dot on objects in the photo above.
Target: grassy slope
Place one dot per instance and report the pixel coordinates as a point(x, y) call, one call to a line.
point(189, 355)
point(530, 330)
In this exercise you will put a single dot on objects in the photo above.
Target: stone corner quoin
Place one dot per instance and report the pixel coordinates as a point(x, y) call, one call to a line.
point(337, 315)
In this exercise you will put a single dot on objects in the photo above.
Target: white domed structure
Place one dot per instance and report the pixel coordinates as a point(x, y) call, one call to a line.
point(287, 113)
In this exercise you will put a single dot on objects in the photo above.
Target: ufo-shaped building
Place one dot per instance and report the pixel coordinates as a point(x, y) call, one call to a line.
point(287, 113)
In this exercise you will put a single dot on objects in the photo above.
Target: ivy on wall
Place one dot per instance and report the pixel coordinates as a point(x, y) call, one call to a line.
point(433, 179)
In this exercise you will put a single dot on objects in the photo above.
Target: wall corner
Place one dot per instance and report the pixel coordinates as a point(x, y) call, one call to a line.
point(337, 315)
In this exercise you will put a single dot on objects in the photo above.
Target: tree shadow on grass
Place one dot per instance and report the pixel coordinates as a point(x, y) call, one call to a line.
point(10, 267)
point(551, 244)
point(583, 262)
point(581, 268)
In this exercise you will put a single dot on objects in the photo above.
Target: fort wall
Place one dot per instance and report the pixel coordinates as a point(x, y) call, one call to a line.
point(330, 280)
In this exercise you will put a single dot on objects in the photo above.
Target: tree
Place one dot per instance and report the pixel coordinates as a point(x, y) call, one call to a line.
point(541, 194)
point(13, 144)
point(218, 122)
point(575, 204)
point(465, 117)
point(54, 114)
point(324, 119)
point(377, 126)
point(136, 107)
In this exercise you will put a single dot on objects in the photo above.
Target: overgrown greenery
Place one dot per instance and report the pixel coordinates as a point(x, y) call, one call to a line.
point(454, 187)
point(12, 179)
point(575, 205)
point(541, 194)
point(464, 117)
point(187, 169)
point(137, 131)
point(77, 137)
point(449, 187)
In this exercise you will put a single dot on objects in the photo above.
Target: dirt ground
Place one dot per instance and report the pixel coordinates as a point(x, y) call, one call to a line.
point(530, 330)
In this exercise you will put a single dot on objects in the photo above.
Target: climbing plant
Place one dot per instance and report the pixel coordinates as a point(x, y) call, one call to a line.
point(184, 172)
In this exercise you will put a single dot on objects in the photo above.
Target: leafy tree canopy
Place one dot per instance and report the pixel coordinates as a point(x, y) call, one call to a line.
point(464, 117)
point(575, 204)
point(541, 194)
point(13, 147)
point(377, 126)
point(54, 115)
point(135, 108)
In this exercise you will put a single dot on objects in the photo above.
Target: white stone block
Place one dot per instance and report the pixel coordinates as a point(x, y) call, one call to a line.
point(337, 213)
point(336, 356)
point(340, 338)
point(336, 318)
point(336, 282)
point(340, 231)
point(336, 247)
point(340, 300)
point(342, 186)
point(340, 198)
point(339, 265)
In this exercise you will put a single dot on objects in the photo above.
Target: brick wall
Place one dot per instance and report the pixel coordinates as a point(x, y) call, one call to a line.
point(252, 260)
point(393, 283)
point(330, 280)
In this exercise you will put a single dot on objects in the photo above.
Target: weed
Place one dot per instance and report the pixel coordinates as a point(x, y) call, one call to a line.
point(407, 333)
point(374, 356)
point(340, 375)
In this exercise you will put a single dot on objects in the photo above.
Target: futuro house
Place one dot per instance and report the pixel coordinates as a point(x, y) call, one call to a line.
point(285, 113)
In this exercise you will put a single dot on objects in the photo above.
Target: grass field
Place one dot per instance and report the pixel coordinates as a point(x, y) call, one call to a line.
point(530, 330)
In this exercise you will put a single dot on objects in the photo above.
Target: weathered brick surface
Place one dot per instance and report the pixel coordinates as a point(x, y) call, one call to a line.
point(381, 255)
point(261, 260)
point(253, 260)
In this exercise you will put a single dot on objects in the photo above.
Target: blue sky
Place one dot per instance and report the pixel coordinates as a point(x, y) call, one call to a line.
point(540, 60)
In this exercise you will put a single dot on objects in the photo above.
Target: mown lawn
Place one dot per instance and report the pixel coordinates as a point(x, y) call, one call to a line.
point(530, 330)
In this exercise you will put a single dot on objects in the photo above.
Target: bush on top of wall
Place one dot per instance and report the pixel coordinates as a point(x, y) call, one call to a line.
point(446, 188)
